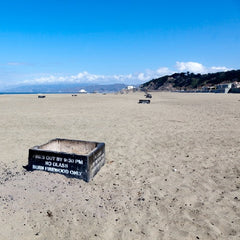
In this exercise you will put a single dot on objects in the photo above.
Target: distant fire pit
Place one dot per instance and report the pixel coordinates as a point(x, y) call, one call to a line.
point(73, 158)
point(144, 101)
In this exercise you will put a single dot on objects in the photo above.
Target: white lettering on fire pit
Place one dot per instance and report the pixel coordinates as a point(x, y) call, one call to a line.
point(37, 167)
point(62, 165)
point(57, 170)
point(78, 161)
point(68, 160)
point(39, 157)
point(58, 159)
point(98, 160)
point(76, 173)
point(48, 163)
point(98, 154)
point(50, 158)
point(97, 164)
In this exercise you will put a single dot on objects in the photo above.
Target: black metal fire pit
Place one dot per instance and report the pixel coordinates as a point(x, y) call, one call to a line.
point(144, 101)
point(73, 158)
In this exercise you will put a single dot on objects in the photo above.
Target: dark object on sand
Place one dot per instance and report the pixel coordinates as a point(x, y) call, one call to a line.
point(41, 96)
point(49, 213)
point(144, 101)
point(148, 95)
point(73, 158)
point(74, 95)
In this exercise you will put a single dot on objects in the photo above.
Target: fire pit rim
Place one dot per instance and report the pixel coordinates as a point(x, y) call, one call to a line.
point(38, 147)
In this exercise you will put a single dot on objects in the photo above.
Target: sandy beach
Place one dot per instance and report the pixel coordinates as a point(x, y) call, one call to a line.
point(172, 167)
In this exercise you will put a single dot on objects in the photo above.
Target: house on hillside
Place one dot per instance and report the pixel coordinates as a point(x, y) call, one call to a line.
point(235, 87)
point(223, 88)
point(208, 89)
point(130, 87)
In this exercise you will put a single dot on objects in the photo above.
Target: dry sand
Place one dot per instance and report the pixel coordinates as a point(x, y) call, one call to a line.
point(172, 167)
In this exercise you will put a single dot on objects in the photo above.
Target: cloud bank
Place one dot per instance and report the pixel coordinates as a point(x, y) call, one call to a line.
point(132, 78)
point(195, 67)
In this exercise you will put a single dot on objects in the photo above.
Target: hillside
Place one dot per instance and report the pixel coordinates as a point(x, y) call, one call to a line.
point(190, 81)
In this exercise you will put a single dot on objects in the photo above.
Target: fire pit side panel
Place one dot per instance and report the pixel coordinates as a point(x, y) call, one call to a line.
point(71, 165)
point(96, 160)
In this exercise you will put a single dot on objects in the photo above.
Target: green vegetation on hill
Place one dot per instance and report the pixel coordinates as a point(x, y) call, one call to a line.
point(191, 81)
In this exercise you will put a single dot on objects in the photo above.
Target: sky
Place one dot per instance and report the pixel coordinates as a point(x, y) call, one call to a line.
point(127, 41)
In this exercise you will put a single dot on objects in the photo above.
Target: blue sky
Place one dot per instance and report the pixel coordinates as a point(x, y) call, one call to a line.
point(115, 41)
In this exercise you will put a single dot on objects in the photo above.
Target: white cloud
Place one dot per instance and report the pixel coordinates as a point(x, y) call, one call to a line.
point(132, 78)
point(196, 67)
point(190, 67)
point(220, 69)
point(141, 77)
point(85, 77)
point(164, 71)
